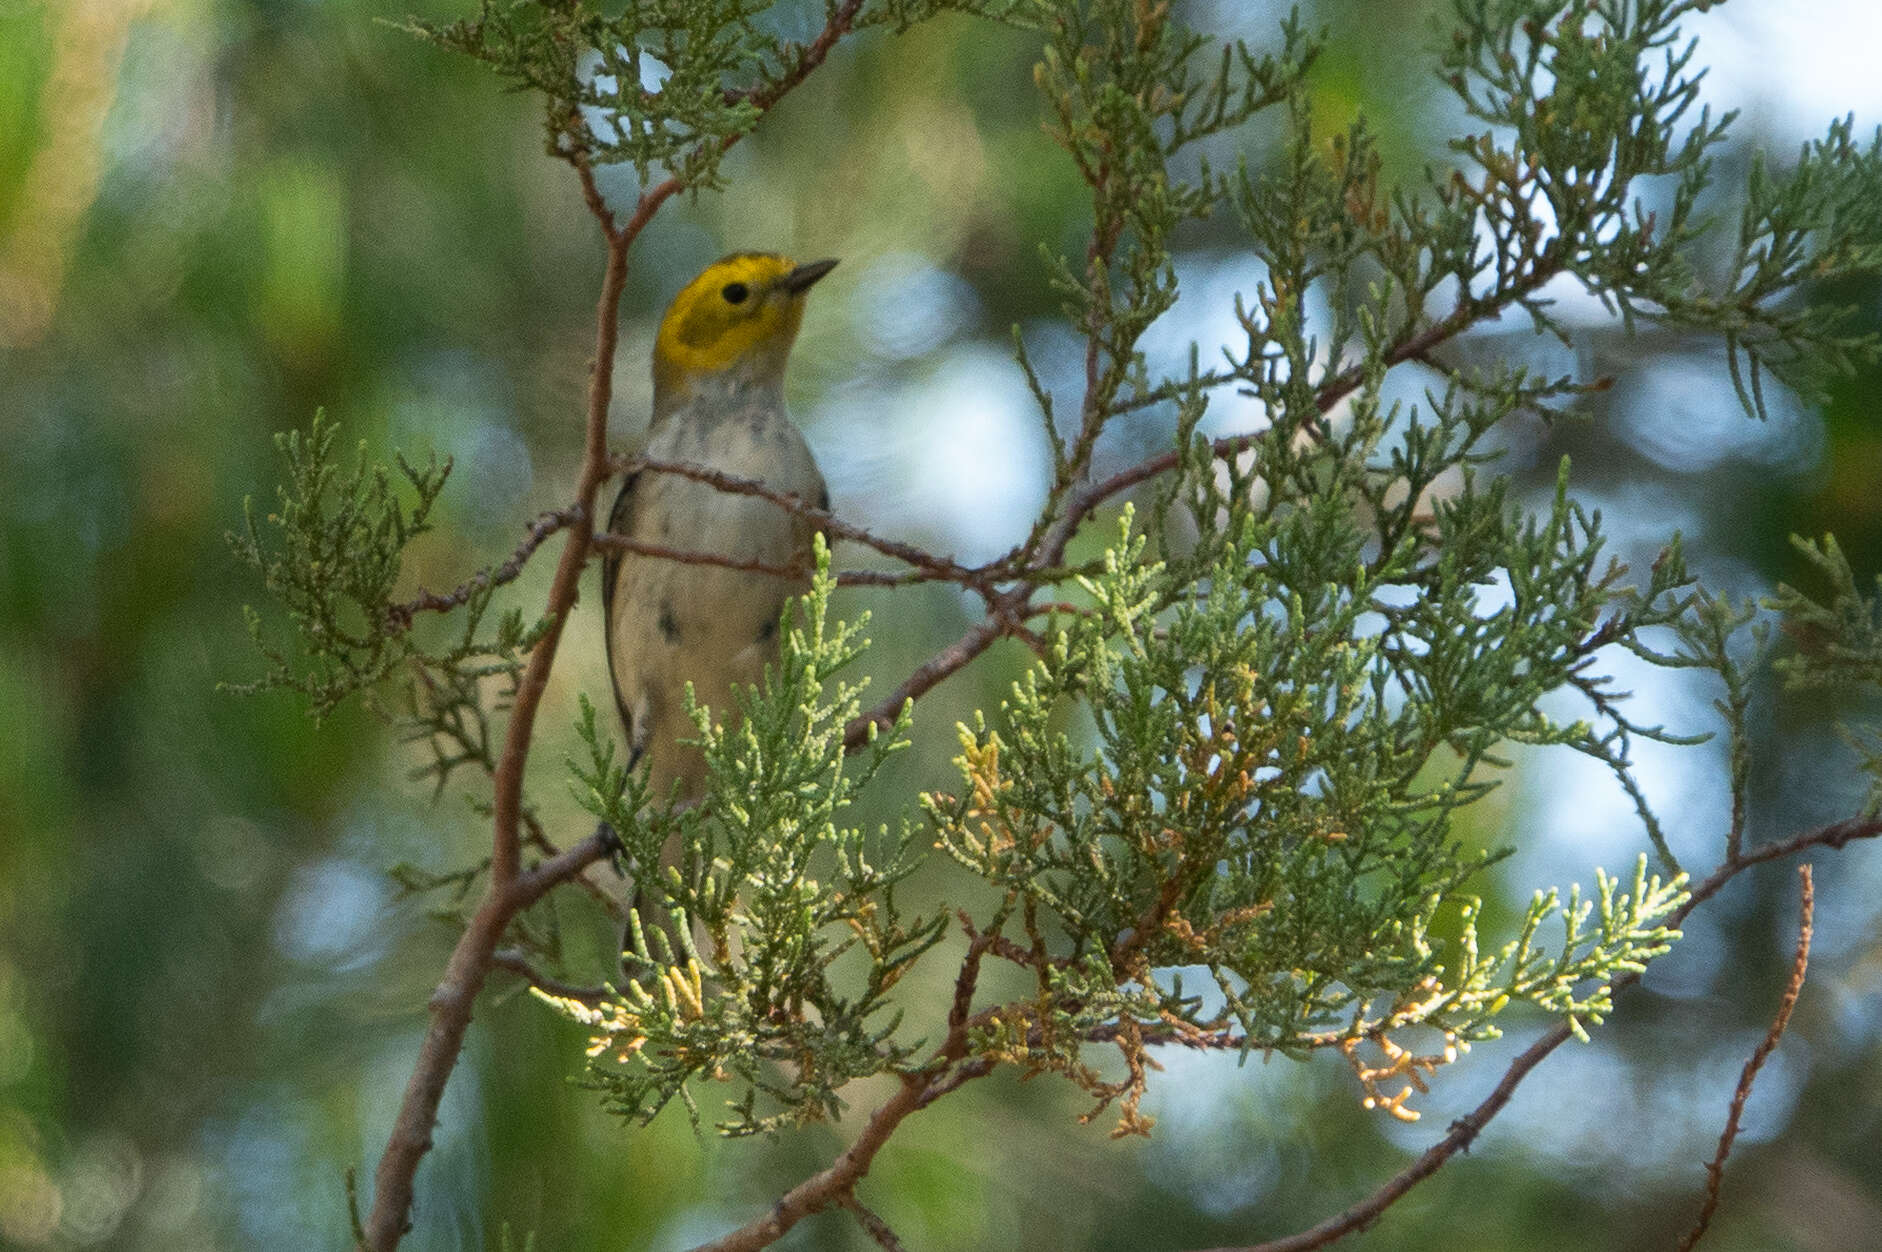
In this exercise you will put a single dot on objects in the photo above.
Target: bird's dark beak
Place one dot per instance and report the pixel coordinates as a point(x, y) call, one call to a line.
point(799, 280)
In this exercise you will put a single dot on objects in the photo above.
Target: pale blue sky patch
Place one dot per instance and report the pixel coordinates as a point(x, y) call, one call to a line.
point(1683, 415)
point(955, 458)
point(905, 307)
point(332, 913)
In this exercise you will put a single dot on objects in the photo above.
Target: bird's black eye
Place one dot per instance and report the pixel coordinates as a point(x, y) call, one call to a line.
point(735, 293)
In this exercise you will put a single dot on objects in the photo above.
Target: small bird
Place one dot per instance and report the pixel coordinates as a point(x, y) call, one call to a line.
point(718, 402)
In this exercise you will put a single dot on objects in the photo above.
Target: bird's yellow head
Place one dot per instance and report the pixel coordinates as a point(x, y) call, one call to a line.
point(741, 313)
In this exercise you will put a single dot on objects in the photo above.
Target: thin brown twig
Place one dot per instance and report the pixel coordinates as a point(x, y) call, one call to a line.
point(609, 541)
point(828, 1186)
point(399, 616)
point(924, 566)
point(534, 836)
point(950, 659)
point(1331, 392)
point(518, 963)
point(979, 943)
point(612, 542)
point(809, 56)
point(871, 1222)
point(1464, 1130)
point(1800, 964)
point(947, 1069)
point(539, 879)
point(836, 527)
point(953, 1080)
point(450, 1013)
point(821, 1190)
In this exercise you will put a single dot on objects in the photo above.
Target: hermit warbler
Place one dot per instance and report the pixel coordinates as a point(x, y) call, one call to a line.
point(718, 402)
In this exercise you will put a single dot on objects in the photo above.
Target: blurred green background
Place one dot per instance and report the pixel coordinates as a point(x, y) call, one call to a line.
point(218, 215)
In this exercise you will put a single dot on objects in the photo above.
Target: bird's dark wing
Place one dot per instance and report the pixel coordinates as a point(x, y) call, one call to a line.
point(823, 503)
point(610, 566)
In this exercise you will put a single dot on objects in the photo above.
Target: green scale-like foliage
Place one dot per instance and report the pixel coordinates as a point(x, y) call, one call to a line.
point(661, 86)
point(780, 890)
point(1275, 763)
point(1839, 648)
point(330, 551)
point(1255, 717)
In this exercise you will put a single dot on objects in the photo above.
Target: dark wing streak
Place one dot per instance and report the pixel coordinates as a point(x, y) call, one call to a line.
point(610, 566)
point(823, 504)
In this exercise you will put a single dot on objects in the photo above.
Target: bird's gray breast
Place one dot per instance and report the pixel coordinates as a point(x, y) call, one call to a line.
point(679, 620)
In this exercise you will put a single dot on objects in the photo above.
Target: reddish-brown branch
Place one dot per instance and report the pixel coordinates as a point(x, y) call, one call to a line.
point(824, 1188)
point(450, 1009)
point(939, 566)
point(519, 964)
point(535, 838)
point(829, 1186)
point(955, 1079)
point(1464, 1130)
point(930, 672)
point(399, 616)
point(960, 1009)
point(507, 894)
point(837, 1184)
point(1800, 964)
point(1331, 392)
point(809, 56)
point(872, 1223)
point(520, 734)
point(538, 880)
point(683, 556)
